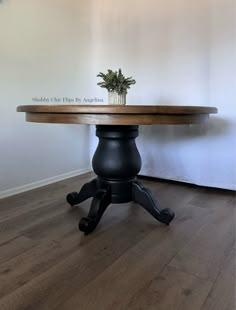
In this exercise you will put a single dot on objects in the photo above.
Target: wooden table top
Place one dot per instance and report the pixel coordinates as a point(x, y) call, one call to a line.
point(116, 115)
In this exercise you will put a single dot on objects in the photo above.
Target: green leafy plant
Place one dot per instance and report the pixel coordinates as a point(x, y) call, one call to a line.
point(115, 81)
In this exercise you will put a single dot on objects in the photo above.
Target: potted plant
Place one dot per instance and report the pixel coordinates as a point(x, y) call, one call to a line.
point(117, 85)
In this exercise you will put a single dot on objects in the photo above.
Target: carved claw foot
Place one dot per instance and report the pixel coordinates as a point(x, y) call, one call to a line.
point(88, 190)
point(100, 202)
point(143, 196)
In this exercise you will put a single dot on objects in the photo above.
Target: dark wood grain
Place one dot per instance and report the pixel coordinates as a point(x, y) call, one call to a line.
point(132, 262)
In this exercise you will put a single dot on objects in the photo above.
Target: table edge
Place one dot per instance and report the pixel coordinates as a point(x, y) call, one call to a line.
point(123, 110)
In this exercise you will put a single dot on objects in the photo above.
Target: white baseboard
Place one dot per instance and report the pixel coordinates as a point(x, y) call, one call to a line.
point(27, 187)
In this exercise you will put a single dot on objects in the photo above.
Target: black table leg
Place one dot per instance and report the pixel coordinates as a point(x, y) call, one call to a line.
point(116, 163)
point(143, 196)
point(88, 190)
point(100, 202)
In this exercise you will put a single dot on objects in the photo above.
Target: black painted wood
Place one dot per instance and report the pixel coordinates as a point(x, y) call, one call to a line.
point(116, 162)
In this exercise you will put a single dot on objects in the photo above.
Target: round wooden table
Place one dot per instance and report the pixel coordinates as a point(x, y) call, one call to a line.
point(116, 161)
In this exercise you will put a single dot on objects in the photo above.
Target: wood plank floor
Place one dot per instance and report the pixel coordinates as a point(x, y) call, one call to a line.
point(130, 262)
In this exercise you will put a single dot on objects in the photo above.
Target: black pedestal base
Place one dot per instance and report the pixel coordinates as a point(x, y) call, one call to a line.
point(116, 162)
point(104, 194)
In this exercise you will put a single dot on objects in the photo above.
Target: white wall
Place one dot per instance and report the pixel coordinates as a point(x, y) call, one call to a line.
point(180, 52)
point(45, 49)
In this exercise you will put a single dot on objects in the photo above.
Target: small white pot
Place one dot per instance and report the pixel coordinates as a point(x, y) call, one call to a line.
point(116, 99)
